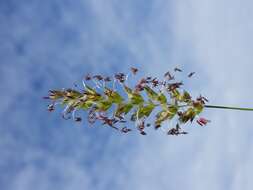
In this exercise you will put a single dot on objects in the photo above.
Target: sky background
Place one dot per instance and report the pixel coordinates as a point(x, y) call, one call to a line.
point(53, 44)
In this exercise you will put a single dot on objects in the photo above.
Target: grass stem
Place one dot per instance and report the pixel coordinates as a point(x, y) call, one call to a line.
point(228, 107)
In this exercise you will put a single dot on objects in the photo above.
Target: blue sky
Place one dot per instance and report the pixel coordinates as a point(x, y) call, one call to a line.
point(53, 44)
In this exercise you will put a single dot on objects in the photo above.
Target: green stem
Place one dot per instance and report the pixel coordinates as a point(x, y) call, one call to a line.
point(228, 107)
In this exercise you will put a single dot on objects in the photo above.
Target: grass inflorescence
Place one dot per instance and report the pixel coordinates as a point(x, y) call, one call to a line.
point(150, 99)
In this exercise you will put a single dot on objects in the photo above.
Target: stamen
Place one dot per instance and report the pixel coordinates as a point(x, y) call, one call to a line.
point(84, 85)
point(73, 114)
point(126, 78)
point(66, 111)
point(97, 84)
point(113, 85)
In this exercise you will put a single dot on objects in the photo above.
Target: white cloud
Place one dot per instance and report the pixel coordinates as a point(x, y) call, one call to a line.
point(213, 37)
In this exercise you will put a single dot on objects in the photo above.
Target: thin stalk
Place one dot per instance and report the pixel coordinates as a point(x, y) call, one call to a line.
point(228, 107)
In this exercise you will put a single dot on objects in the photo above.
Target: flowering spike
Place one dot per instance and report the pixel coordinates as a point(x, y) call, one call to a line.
point(148, 95)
